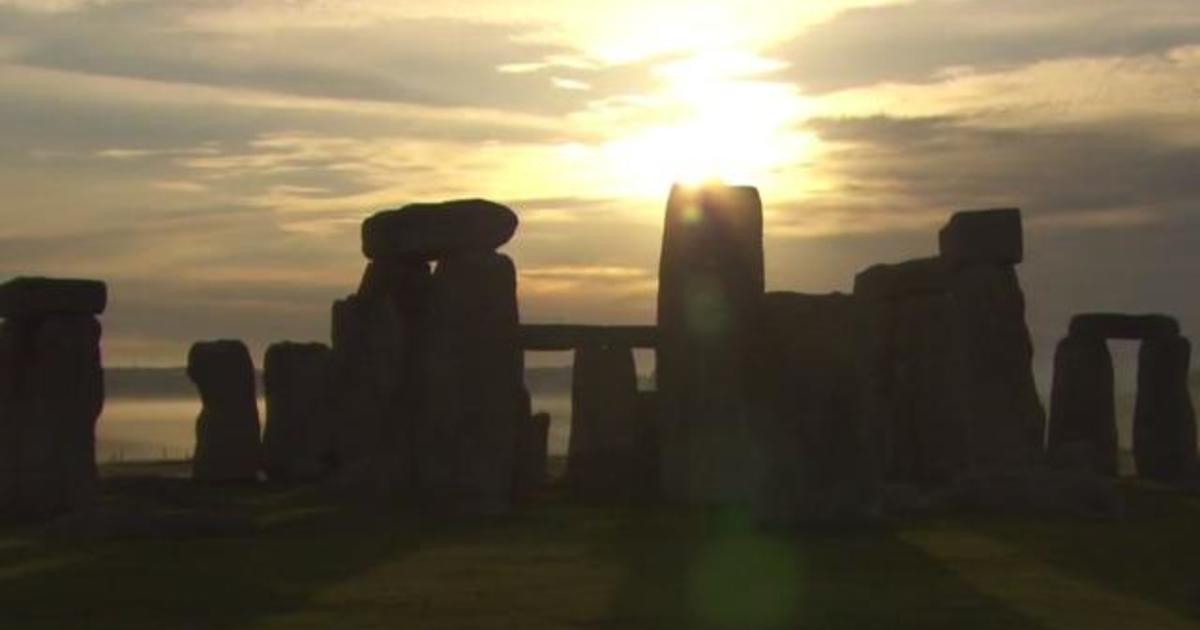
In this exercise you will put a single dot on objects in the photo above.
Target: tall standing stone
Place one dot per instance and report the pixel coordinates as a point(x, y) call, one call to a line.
point(227, 430)
point(51, 393)
point(602, 453)
point(474, 370)
point(710, 288)
point(298, 435)
point(1164, 421)
point(1083, 415)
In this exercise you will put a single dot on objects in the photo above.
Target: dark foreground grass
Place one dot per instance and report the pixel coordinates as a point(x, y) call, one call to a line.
point(553, 565)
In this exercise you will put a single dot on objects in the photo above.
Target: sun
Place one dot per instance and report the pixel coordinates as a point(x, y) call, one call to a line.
point(728, 126)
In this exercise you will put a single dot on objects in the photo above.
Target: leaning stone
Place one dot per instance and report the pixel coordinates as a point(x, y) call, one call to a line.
point(297, 439)
point(1115, 326)
point(35, 297)
point(60, 399)
point(922, 276)
point(1164, 420)
point(1006, 421)
point(474, 372)
point(710, 290)
point(227, 430)
point(602, 452)
point(1082, 406)
point(436, 230)
point(983, 237)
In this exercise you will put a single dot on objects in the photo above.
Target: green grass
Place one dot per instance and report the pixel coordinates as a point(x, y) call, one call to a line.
point(557, 565)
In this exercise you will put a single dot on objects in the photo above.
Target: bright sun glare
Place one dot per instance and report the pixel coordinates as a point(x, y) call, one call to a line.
point(730, 127)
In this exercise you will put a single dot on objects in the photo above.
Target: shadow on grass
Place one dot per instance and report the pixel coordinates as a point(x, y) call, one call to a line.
point(1150, 554)
point(718, 571)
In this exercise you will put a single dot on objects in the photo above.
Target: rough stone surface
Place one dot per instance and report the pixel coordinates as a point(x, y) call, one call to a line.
point(603, 452)
point(437, 230)
point(1164, 421)
point(52, 393)
point(474, 372)
point(227, 430)
point(710, 290)
point(906, 279)
point(1117, 326)
point(1006, 421)
point(812, 456)
point(568, 337)
point(297, 437)
point(1083, 407)
point(36, 297)
point(983, 237)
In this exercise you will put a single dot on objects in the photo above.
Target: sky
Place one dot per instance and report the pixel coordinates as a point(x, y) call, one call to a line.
point(212, 159)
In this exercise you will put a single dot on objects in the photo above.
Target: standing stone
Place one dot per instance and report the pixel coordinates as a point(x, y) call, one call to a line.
point(63, 394)
point(814, 458)
point(532, 436)
point(474, 370)
point(710, 288)
point(297, 438)
point(1083, 416)
point(227, 430)
point(983, 237)
point(1006, 421)
point(603, 449)
point(12, 353)
point(1164, 421)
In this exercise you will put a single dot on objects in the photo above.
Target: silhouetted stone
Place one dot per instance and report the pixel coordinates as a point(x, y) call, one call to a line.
point(37, 297)
point(1006, 421)
point(297, 437)
point(55, 392)
point(813, 456)
point(1116, 326)
point(906, 279)
point(603, 449)
point(13, 350)
point(710, 289)
point(532, 436)
point(568, 336)
point(1082, 406)
point(983, 237)
point(437, 230)
point(1164, 421)
point(474, 373)
point(227, 430)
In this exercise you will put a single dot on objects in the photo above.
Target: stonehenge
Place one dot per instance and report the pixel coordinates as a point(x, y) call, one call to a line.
point(711, 283)
point(297, 437)
point(1083, 416)
point(227, 429)
point(603, 453)
point(51, 394)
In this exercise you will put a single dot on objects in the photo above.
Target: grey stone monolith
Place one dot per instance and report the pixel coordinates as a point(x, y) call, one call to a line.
point(473, 372)
point(710, 290)
point(298, 434)
point(602, 451)
point(1083, 416)
point(227, 430)
point(1164, 422)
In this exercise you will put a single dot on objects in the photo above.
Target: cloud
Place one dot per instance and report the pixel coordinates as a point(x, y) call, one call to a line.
point(929, 40)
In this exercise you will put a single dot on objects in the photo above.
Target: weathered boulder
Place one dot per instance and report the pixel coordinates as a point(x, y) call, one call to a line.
point(1006, 421)
point(474, 371)
point(37, 297)
point(1117, 326)
point(1083, 407)
point(54, 394)
point(983, 237)
point(227, 430)
point(568, 336)
point(298, 436)
point(710, 290)
point(602, 454)
point(813, 457)
point(1164, 421)
point(431, 231)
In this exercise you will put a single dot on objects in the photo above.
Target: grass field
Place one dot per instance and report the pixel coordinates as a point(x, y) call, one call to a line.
point(307, 564)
